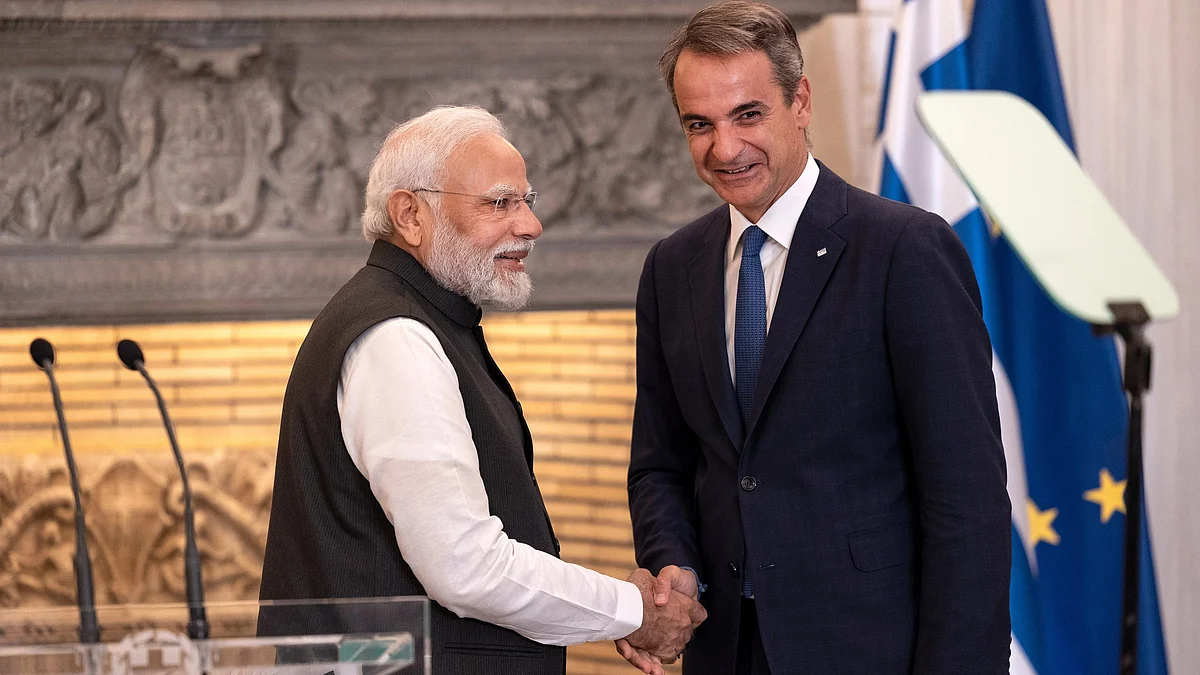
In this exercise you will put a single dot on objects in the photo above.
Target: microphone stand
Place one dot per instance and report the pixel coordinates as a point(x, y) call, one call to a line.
point(89, 628)
point(198, 627)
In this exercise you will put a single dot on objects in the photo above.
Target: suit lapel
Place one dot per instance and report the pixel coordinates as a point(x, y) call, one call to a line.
point(706, 277)
point(804, 277)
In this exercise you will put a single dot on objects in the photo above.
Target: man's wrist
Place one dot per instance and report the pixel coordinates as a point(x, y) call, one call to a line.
point(630, 613)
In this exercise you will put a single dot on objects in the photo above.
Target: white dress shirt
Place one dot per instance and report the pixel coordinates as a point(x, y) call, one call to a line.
point(779, 223)
point(406, 429)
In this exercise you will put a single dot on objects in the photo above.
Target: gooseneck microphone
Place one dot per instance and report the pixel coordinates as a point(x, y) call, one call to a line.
point(85, 595)
point(198, 627)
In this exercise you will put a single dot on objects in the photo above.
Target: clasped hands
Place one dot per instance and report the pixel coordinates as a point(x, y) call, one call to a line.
point(671, 611)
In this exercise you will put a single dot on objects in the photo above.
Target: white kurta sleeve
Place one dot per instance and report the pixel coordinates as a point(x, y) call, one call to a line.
point(406, 430)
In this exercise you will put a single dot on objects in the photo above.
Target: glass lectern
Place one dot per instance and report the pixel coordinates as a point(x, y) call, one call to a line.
point(367, 636)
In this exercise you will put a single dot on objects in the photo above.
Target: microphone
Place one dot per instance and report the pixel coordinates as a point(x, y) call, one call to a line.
point(89, 628)
point(198, 628)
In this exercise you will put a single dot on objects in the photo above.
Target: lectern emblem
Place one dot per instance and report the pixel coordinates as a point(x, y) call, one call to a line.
point(155, 652)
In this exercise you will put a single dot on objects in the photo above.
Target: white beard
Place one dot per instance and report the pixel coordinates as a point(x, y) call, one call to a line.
point(464, 268)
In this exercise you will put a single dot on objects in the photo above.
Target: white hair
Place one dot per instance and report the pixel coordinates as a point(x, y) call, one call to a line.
point(414, 156)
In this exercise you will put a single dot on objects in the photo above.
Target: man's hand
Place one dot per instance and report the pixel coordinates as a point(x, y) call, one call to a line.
point(672, 578)
point(640, 658)
point(670, 613)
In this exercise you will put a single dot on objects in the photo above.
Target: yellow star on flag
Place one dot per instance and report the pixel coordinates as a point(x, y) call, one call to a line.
point(1110, 496)
point(1041, 525)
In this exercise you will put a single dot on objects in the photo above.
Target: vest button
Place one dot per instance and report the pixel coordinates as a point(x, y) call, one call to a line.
point(749, 483)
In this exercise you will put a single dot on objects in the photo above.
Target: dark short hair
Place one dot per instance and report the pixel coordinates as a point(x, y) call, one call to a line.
point(735, 27)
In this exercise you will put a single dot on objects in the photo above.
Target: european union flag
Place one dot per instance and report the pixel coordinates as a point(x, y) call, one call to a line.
point(1062, 407)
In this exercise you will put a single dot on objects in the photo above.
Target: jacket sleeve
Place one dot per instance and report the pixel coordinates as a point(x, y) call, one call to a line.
point(941, 360)
point(664, 451)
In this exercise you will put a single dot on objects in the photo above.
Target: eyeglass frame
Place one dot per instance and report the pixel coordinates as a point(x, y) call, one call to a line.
point(529, 199)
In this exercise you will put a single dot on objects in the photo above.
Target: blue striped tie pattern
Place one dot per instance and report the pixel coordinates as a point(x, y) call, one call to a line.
point(750, 323)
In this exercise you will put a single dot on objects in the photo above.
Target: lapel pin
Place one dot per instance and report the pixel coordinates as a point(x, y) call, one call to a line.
point(821, 252)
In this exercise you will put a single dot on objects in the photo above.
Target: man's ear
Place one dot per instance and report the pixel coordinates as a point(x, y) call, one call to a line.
point(802, 102)
point(402, 208)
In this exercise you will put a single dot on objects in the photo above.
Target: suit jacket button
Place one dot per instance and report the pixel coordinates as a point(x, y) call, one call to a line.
point(749, 483)
point(733, 569)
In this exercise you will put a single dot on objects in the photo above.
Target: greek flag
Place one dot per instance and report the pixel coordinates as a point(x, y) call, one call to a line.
point(1062, 408)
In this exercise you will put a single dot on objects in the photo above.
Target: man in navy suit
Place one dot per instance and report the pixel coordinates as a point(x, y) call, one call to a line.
point(816, 441)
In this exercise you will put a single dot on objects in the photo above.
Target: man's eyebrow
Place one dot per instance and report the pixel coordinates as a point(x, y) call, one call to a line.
point(741, 108)
point(749, 105)
point(501, 189)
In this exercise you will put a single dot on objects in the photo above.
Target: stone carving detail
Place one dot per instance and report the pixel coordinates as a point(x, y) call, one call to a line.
point(204, 124)
point(194, 170)
point(212, 144)
point(320, 194)
point(135, 528)
point(62, 167)
point(638, 168)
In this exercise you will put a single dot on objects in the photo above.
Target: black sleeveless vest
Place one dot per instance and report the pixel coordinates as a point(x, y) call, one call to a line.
point(329, 538)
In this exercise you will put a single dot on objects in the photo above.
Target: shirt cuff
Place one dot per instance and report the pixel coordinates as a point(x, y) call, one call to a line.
point(700, 585)
point(629, 611)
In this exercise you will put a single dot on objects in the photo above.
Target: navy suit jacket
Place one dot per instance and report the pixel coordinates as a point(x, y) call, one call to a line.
point(877, 524)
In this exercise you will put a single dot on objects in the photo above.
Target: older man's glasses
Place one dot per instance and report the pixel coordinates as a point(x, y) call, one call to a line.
point(504, 205)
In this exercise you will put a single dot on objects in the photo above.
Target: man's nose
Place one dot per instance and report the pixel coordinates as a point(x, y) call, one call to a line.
point(726, 145)
point(525, 224)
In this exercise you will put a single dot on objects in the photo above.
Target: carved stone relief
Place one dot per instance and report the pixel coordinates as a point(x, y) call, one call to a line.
point(62, 171)
point(203, 125)
point(210, 164)
point(320, 193)
point(206, 144)
point(135, 528)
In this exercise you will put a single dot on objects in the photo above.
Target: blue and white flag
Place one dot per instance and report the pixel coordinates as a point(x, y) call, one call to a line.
point(1062, 409)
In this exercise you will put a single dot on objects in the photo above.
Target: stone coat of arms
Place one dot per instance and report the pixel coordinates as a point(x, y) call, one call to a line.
point(204, 124)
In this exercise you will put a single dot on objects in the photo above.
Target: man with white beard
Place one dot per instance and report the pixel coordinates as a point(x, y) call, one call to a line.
point(405, 464)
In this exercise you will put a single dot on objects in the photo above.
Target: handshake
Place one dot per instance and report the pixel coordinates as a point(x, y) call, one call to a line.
point(670, 612)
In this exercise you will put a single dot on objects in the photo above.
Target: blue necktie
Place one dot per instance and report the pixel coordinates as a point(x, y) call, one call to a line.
point(749, 336)
point(750, 323)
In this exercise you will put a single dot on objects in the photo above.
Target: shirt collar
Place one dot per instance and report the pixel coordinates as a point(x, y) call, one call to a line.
point(779, 222)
